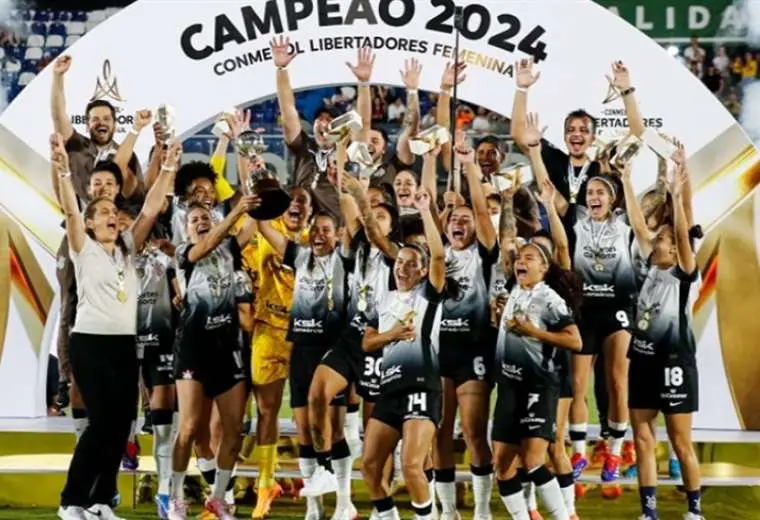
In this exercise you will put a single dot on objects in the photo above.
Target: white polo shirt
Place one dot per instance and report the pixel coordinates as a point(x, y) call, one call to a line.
point(99, 310)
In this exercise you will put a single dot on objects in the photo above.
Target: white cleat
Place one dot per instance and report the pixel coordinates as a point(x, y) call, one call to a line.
point(320, 483)
point(71, 513)
point(347, 512)
point(101, 512)
point(451, 516)
point(692, 516)
point(177, 509)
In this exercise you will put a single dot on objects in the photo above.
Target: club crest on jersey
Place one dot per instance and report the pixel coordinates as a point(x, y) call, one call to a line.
point(187, 375)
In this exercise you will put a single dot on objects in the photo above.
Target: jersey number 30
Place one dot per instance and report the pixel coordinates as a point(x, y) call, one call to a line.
point(417, 402)
point(372, 366)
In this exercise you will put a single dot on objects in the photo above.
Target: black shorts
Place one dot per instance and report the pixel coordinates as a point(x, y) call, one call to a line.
point(214, 360)
point(356, 366)
point(464, 362)
point(598, 323)
point(671, 388)
point(157, 364)
point(303, 364)
point(524, 411)
point(395, 409)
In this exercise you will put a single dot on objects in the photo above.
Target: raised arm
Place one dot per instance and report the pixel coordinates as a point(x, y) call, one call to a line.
point(557, 228)
point(348, 208)
point(218, 233)
point(483, 225)
point(365, 62)
point(635, 215)
point(238, 123)
point(144, 222)
point(437, 267)
point(75, 232)
point(61, 121)
point(688, 209)
point(281, 56)
point(532, 143)
point(429, 172)
point(277, 240)
point(450, 78)
point(686, 259)
point(126, 150)
point(508, 228)
point(621, 78)
point(525, 78)
point(371, 226)
point(410, 76)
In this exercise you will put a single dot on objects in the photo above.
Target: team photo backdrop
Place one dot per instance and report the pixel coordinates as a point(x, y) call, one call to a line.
point(209, 56)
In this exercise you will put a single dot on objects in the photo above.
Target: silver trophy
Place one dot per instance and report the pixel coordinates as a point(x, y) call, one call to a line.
point(625, 150)
point(165, 117)
point(360, 161)
point(274, 200)
point(342, 126)
point(429, 139)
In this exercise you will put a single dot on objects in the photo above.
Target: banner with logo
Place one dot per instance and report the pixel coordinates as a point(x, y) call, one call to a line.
point(210, 55)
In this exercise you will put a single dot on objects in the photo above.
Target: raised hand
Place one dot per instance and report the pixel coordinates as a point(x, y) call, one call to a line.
point(365, 63)
point(281, 55)
point(621, 78)
point(173, 154)
point(238, 122)
point(247, 203)
point(525, 77)
point(464, 151)
point(62, 65)
point(143, 119)
point(548, 193)
point(533, 131)
point(422, 201)
point(58, 155)
point(452, 199)
point(411, 74)
point(453, 76)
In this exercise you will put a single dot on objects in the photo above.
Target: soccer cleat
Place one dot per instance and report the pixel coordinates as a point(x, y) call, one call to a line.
point(101, 512)
point(611, 491)
point(162, 506)
point(535, 515)
point(348, 512)
point(600, 452)
point(71, 513)
point(130, 461)
point(219, 508)
point(264, 501)
point(611, 468)
point(692, 516)
point(579, 463)
point(674, 469)
point(580, 490)
point(629, 453)
point(631, 472)
point(177, 509)
point(320, 483)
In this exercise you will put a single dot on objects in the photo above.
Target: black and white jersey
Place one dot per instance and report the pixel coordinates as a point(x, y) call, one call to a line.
point(320, 295)
point(601, 254)
point(410, 365)
point(155, 313)
point(212, 289)
point(466, 313)
point(179, 219)
point(521, 358)
point(640, 264)
point(371, 279)
point(663, 325)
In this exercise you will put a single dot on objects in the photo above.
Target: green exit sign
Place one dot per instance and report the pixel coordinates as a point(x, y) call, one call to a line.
point(676, 20)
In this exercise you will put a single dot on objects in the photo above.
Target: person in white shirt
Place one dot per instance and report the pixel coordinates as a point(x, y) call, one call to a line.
point(396, 111)
point(102, 347)
point(481, 124)
point(695, 56)
point(721, 61)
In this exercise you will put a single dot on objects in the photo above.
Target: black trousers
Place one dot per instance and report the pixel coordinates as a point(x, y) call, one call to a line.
point(105, 369)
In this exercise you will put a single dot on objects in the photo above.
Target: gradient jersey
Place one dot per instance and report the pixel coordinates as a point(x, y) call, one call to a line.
point(155, 313)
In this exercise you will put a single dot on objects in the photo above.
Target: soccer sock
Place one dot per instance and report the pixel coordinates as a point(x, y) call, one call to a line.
point(511, 494)
point(342, 462)
point(324, 459)
point(694, 499)
point(80, 421)
point(223, 477)
point(648, 499)
point(423, 511)
point(578, 437)
point(353, 423)
point(529, 489)
point(162, 448)
point(307, 463)
point(207, 467)
point(482, 487)
point(548, 488)
point(178, 485)
point(567, 487)
point(446, 490)
point(386, 508)
point(430, 476)
point(175, 424)
point(267, 456)
point(617, 433)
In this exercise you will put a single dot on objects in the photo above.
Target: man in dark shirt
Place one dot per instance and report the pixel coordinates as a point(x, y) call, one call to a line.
point(713, 81)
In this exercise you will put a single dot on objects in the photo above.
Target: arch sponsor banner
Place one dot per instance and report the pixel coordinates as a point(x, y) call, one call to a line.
point(210, 55)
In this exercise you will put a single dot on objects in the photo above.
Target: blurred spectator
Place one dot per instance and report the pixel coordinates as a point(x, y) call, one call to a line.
point(721, 62)
point(481, 124)
point(465, 116)
point(733, 104)
point(499, 124)
point(396, 111)
point(428, 119)
point(714, 81)
point(305, 125)
point(695, 56)
point(379, 106)
point(749, 69)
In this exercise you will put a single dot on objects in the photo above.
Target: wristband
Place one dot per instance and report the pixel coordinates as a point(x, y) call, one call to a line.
point(628, 91)
point(165, 168)
point(283, 69)
point(533, 145)
point(363, 83)
point(134, 131)
point(64, 175)
point(446, 91)
point(522, 89)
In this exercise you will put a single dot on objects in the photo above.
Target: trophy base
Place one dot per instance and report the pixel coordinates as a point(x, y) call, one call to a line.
point(274, 200)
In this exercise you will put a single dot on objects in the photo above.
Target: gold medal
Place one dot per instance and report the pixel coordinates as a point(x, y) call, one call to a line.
point(330, 303)
point(598, 267)
point(121, 296)
point(572, 199)
point(362, 304)
point(643, 323)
